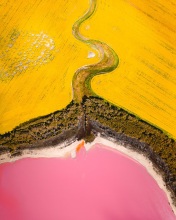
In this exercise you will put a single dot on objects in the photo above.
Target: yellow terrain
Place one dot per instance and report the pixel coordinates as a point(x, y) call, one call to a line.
point(39, 56)
point(143, 34)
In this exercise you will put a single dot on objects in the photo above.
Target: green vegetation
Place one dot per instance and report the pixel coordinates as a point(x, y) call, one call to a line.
point(109, 60)
point(43, 131)
point(86, 116)
point(110, 120)
point(84, 121)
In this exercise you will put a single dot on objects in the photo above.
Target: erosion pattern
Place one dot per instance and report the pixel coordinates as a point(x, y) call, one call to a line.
point(108, 62)
point(88, 115)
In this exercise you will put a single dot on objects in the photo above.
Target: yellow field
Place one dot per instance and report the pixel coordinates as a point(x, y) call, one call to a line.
point(37, 48)
point(141, 32)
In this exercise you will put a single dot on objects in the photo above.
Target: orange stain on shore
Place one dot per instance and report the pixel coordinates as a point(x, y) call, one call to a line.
point(81, 145)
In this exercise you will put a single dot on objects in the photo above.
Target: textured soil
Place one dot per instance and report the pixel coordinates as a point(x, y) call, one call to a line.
point(86, 120)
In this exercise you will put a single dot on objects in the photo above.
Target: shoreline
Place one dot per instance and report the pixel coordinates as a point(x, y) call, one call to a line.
point(94, 115)
point(63, 150)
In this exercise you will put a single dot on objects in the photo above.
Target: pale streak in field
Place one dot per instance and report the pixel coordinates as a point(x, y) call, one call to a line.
point(143, 35)
point(91, 54)
point(35, 50)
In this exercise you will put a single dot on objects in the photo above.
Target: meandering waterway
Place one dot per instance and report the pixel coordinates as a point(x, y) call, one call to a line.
point(108, 59)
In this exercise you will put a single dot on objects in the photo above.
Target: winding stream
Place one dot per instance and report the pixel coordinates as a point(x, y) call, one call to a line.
point(108, 60)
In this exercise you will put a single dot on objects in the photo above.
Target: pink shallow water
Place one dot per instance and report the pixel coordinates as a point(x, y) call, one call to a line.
point(101, 184)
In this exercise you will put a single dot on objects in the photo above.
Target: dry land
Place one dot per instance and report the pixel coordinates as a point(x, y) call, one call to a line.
point(85, 121)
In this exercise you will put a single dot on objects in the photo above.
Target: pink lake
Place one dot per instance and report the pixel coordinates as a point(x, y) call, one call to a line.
point(101, 184)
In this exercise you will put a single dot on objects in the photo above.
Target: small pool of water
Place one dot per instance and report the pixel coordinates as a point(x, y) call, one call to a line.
point(101, 184)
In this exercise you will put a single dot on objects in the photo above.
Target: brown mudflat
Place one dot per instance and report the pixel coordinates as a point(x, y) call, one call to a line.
point(85, 121)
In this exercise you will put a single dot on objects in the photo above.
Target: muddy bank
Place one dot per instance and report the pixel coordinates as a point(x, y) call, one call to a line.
point(130, 131)
point(85, 121)
point(50, 130)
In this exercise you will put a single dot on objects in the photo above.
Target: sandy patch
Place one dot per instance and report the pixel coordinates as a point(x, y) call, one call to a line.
point(63, 150)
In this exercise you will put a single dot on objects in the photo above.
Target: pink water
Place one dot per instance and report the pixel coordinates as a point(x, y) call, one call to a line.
point(101, 184)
